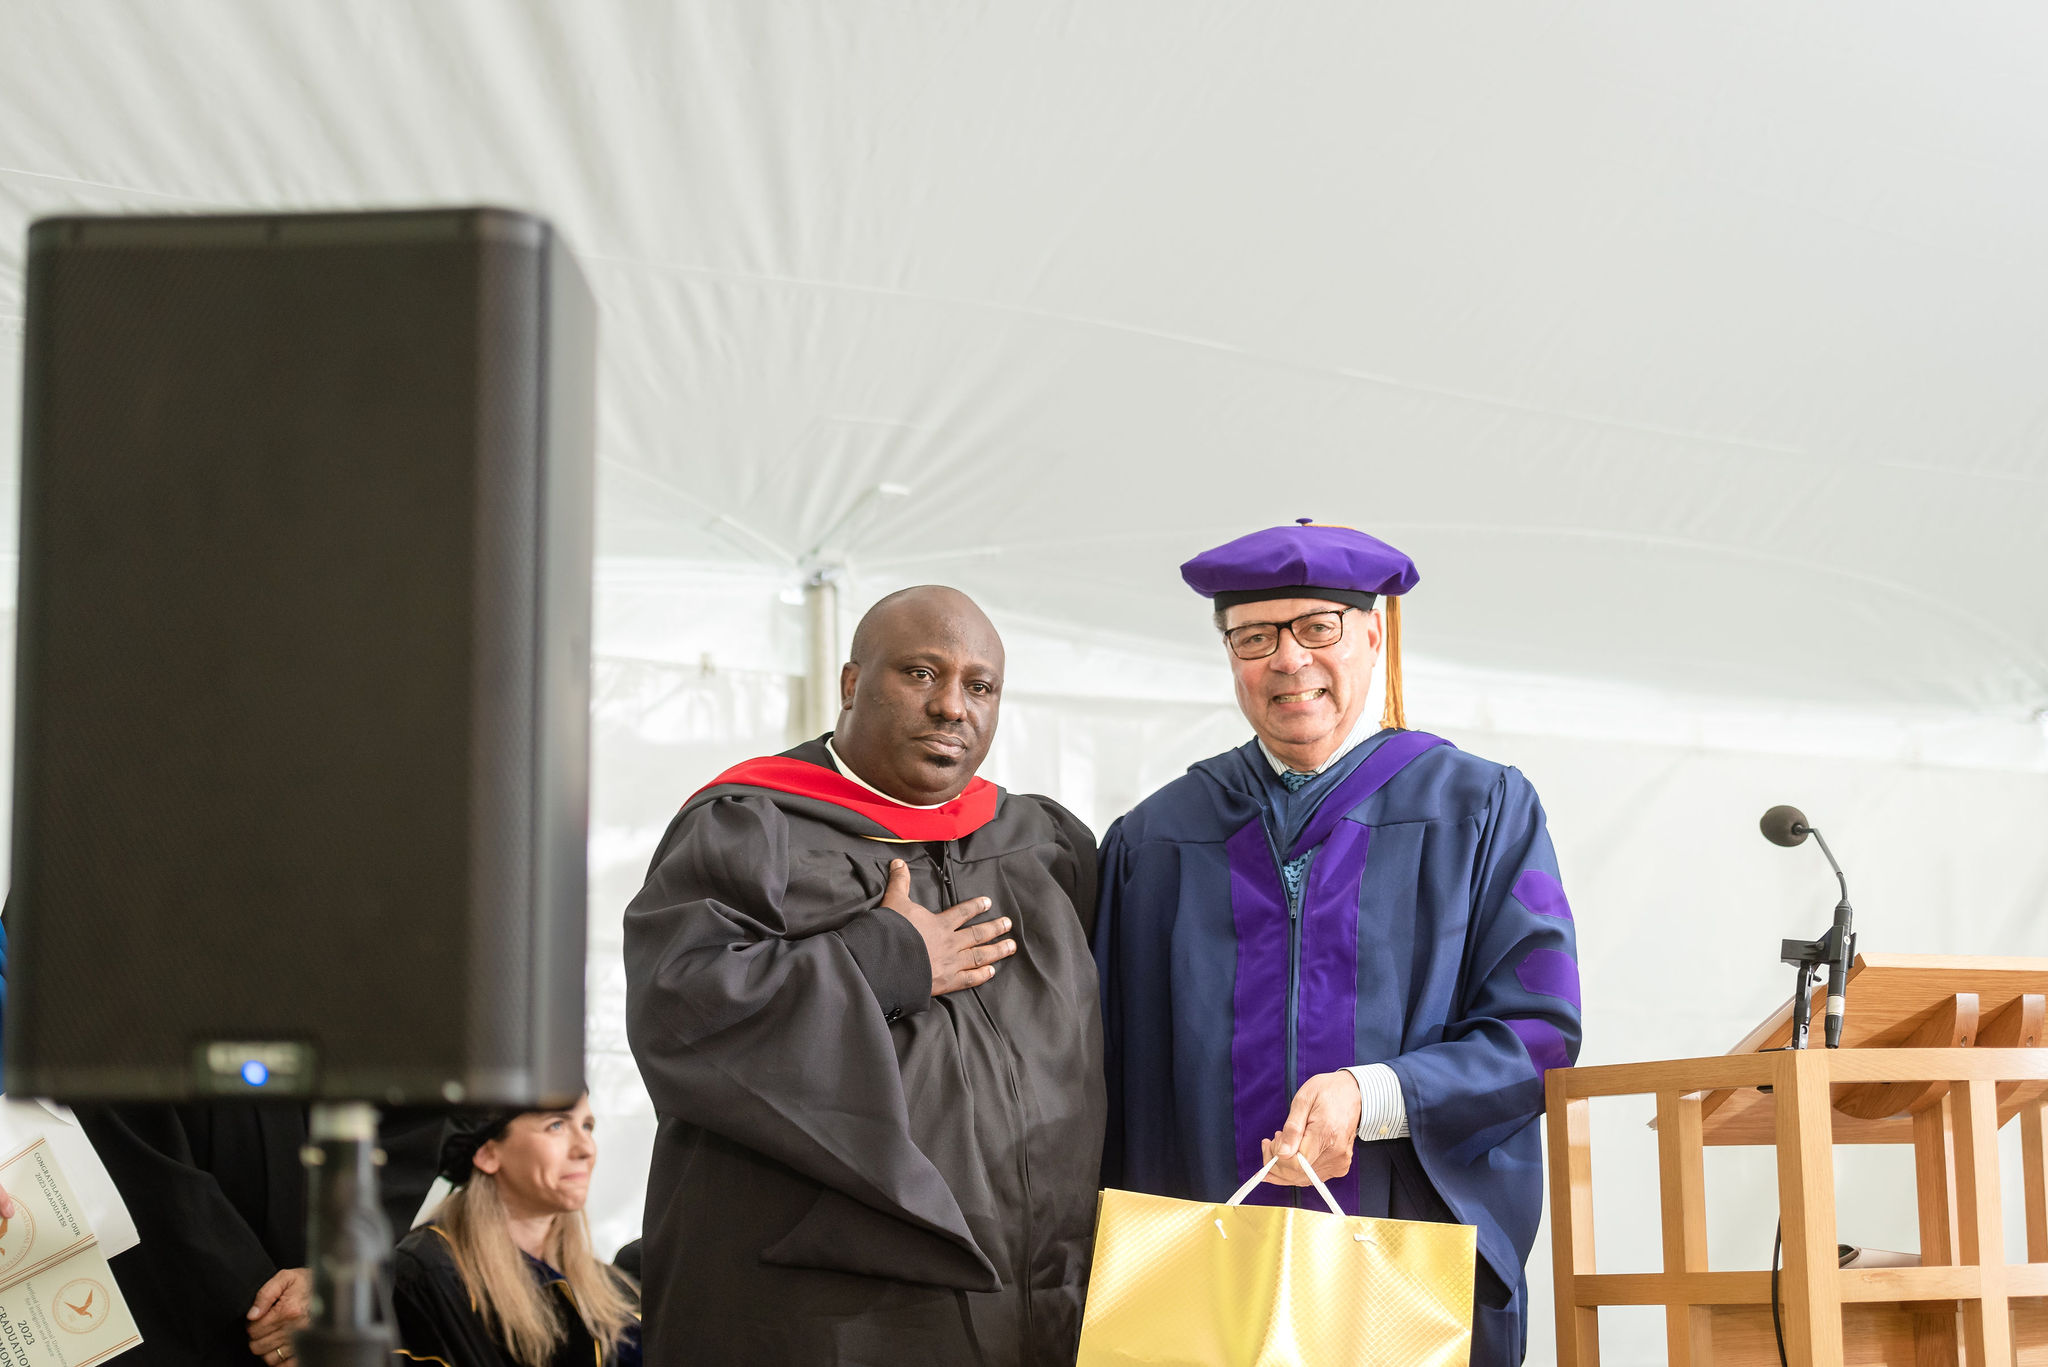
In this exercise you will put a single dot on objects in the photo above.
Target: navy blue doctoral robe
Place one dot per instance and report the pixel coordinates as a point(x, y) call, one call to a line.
point(1431, 935)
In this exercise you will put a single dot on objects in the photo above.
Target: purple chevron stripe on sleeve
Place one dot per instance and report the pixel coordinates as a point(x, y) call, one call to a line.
point(1552, 973)
point(1542, 894)
point(1544, 1043)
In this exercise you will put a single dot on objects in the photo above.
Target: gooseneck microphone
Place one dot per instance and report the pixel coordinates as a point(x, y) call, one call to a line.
point(1788, 826)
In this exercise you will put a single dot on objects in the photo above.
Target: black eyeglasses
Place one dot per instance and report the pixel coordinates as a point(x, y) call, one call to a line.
point(1311, 631)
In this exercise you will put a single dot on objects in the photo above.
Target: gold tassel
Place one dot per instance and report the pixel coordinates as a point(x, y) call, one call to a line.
point(1394, 718)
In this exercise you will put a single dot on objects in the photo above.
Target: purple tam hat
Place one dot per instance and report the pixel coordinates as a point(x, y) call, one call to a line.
point(1310, 560)
point(1307, 560)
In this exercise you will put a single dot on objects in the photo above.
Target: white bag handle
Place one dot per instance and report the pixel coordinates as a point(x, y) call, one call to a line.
point(1260, 1176)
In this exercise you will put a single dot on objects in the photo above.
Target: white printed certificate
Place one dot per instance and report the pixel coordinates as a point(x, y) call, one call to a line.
point(59, 1306)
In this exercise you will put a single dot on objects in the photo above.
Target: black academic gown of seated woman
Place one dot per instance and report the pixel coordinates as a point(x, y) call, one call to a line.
point(437, 1321)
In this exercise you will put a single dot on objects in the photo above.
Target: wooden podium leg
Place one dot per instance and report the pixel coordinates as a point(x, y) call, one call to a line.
point(1934, 1334)
point(1980, 1224)
point(1568, 1127)
point(2034, 1174)
point(2034, 1181)
point(1811, 1284)
point(1934, 1184)
point(1682, 1183)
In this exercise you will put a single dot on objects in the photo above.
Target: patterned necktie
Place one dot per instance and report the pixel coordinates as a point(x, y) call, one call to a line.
point(1295, 871)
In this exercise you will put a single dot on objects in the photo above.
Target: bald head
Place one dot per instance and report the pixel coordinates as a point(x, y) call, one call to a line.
point(928, 609)
point(918, 698)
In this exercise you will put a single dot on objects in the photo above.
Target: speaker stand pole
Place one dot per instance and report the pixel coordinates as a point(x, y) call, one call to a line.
point(348, 1242)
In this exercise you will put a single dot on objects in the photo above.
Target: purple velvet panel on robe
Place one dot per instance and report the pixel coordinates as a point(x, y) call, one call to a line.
point(1379, 768)
point(1327, 996)
point(1328, 986)
point(1258, 1037)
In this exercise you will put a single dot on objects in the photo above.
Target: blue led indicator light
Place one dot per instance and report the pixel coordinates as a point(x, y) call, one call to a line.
point(254, 1073)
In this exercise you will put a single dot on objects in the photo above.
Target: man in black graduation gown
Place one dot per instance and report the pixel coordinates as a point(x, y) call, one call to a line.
point(860, 992)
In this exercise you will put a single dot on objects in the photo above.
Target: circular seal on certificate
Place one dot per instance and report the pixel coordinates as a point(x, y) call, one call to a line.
point(80, 1306)
point(17, 1236)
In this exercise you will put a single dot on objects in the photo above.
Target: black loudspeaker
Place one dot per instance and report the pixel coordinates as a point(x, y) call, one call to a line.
point(302, 738)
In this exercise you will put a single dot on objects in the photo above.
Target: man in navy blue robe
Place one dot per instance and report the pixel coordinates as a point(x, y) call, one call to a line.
point(1337, 939)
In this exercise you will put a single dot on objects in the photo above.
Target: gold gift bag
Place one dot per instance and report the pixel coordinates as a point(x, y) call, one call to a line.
point(1189, 1284)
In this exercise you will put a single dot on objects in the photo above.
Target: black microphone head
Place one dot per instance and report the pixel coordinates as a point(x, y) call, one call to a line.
point(1785, 826)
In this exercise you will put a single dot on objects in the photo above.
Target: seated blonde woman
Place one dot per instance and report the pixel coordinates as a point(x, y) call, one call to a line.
point(503, 1275)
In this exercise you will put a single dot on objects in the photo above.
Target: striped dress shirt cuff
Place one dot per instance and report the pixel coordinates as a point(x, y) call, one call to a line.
point(1383, 1114)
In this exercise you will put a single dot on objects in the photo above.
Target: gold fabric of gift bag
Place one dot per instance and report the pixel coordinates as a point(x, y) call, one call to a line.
point(1192, 1284)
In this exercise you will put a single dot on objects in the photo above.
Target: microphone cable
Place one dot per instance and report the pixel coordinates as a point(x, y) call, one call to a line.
point(1777, 1320)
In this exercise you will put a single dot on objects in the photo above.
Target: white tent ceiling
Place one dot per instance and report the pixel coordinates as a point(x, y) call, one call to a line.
point(1697, 347)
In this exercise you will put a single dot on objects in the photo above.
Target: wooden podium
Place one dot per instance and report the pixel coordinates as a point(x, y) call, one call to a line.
point(1936, 1053)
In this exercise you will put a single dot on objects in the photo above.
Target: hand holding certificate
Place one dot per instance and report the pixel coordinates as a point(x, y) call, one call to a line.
point(59, 1306)
point(23, 1120)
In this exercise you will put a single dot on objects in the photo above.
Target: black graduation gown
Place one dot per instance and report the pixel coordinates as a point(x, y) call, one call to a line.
point(218, 1195)
point(438, 1322)
point(219, 1202)
point(848, 1171)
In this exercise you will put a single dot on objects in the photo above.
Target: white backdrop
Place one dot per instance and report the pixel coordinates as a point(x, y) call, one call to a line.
point(1694, 351)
